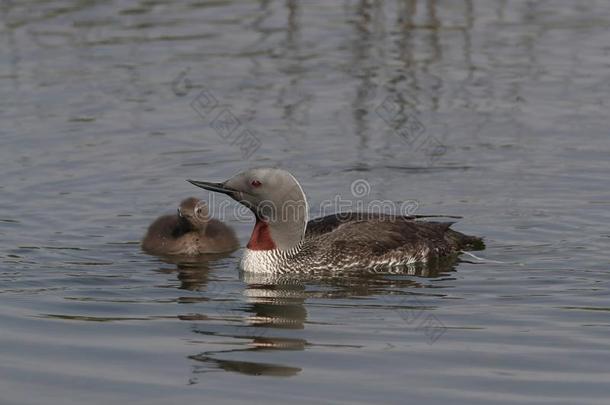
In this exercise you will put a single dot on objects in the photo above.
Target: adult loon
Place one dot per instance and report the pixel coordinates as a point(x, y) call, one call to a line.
point(190, 232)
point(283, 240)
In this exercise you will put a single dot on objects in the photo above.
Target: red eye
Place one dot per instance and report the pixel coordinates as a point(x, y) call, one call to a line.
point(256, 183)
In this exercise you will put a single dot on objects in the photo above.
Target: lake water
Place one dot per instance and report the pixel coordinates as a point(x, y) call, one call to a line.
point(496, 111)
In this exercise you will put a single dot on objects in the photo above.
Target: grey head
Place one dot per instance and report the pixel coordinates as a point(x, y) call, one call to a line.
point(195, 212)
point(275, 198)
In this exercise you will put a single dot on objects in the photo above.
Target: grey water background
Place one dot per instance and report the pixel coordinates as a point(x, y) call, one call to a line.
point(101, 122)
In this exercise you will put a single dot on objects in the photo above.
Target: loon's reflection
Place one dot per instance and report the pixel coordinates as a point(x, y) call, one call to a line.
point(274, 312)
point(268, 307)
point(244, 367)
point(275, 305)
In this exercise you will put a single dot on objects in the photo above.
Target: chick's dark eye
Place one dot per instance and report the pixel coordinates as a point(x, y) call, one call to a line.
point(256, 183)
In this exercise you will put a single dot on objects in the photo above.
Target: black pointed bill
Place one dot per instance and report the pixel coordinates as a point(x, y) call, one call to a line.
point(217, 187)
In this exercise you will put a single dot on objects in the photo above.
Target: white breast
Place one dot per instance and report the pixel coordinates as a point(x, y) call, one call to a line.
point(259, 261)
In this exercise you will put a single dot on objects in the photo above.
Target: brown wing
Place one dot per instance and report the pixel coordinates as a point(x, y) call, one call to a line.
point(384, 239)
point(319, 226)
point(322, 225)
point(378, 237)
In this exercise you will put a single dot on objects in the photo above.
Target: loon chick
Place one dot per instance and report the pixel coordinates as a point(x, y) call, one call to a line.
point(284, 241)
point(190, 232)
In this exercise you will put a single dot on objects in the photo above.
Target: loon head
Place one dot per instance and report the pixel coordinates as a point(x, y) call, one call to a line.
point(195, 212)
point(277, 201)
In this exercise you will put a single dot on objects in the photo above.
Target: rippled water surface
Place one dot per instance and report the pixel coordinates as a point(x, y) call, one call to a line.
point(493, 110)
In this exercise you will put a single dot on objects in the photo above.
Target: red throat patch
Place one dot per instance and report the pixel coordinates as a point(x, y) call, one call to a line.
point(261, 237)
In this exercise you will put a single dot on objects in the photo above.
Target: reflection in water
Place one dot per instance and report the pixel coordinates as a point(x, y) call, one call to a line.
point(269, 306)
point(192, 272)
point(243, 367)
point(276, 305)
point(277, 302)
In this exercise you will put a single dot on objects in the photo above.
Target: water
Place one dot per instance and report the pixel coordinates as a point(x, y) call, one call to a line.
point(493, 110)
